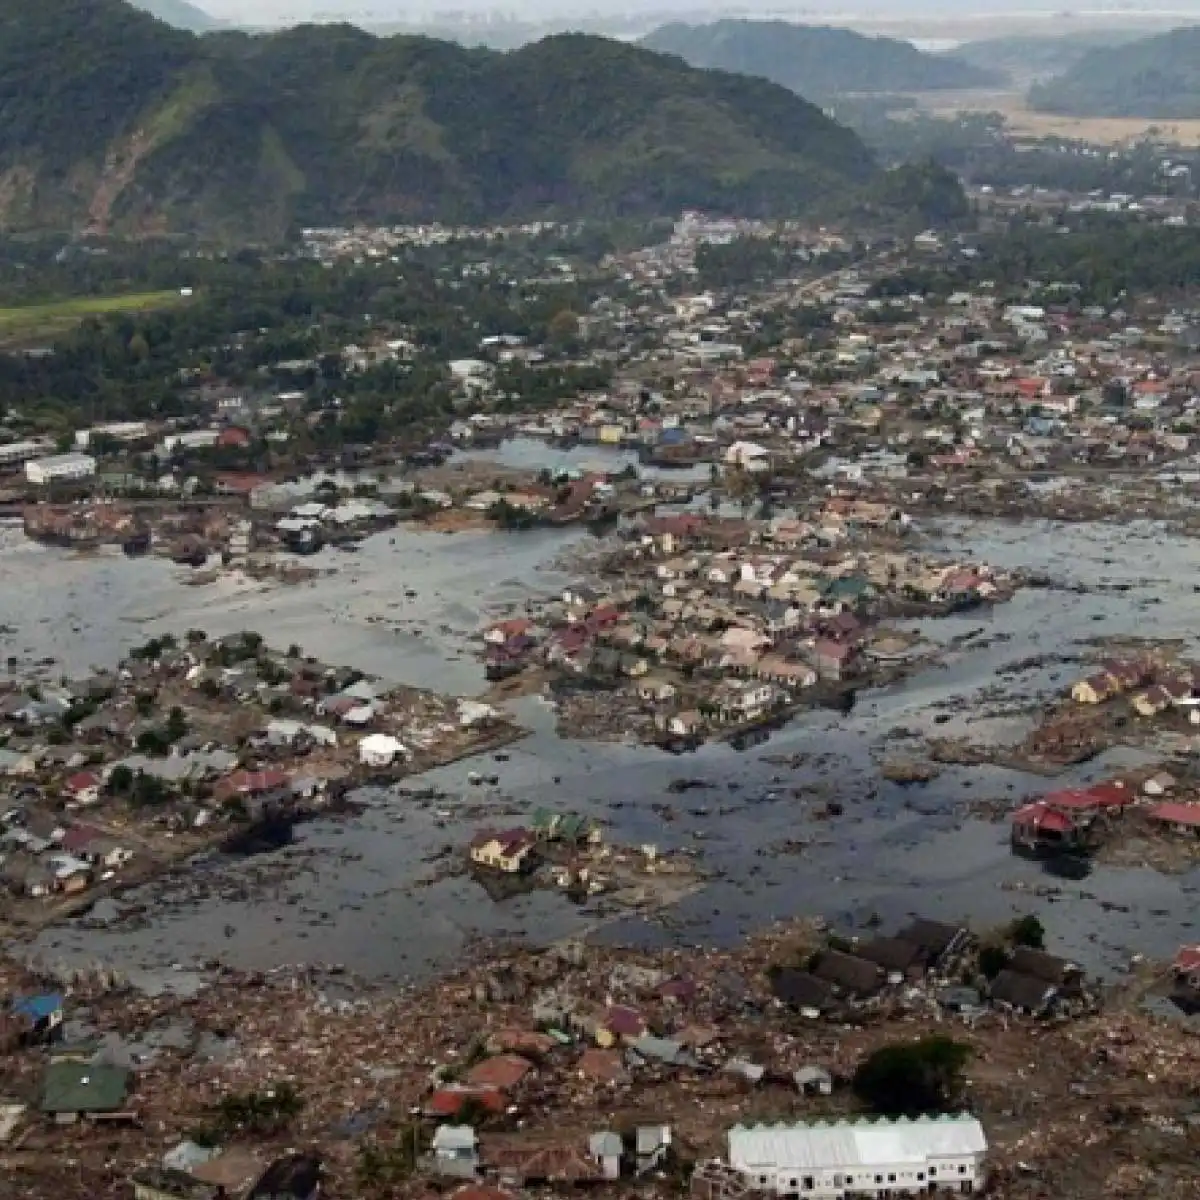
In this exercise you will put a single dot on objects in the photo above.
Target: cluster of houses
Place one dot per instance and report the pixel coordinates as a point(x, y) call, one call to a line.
point(163, 738)
point(92, 1082)
point(912, 397)
point(1150, 688)
point(711, 621)
point(928, 960)
point(1079, 820)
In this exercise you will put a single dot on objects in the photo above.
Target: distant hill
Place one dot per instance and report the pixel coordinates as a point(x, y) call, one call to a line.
point(1027, 57)
point(114, 121)
point(179, 13)
point(818, 61)
point(1156, 77)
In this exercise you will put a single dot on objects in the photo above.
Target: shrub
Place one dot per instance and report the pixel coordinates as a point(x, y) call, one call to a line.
point(1028, 931)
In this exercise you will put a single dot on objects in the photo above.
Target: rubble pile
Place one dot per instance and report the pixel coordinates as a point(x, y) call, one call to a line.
point(542, 1050)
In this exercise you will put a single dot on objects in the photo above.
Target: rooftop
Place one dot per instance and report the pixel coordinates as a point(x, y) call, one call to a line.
point(864, 1143)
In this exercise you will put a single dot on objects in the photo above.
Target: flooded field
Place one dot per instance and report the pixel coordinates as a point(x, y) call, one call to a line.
point(366, 891)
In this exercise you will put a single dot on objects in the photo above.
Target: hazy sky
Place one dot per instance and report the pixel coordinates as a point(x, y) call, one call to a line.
point(253, 11)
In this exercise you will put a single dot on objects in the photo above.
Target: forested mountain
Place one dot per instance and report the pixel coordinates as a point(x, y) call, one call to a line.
point(1156, 77)
point(178, 13)
point(817, 61)
point(1026, 57)
point(112, 120)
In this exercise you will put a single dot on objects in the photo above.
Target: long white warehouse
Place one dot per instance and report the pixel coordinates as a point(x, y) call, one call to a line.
point(841, 1159)
point(59, 467)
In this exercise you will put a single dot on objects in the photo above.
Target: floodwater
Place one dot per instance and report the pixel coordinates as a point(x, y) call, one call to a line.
point(352, 890)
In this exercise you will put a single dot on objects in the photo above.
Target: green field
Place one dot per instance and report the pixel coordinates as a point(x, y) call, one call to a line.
point(39, 322)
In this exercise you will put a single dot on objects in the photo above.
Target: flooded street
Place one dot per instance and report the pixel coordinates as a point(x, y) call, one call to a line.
point(352, 890)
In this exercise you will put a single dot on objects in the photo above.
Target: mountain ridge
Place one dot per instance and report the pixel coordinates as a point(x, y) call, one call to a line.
point(112, 121)
point(818, 62)
point(1155, 77)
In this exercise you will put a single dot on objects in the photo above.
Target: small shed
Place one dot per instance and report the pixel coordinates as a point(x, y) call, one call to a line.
point(653, 1142)
point(380, 750)
point(606, 1148)
point(813, 1081)
point(455, 1150)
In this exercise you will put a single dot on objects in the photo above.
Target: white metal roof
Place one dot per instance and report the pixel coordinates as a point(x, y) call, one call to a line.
point(853, 1143)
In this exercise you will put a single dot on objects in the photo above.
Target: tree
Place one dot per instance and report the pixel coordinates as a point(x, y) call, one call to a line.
point(1028, 931)
point(153, 743)
point(148, 790)
point(913, 1078)
point(562, 331)
point(177, 725)
point(120, 781)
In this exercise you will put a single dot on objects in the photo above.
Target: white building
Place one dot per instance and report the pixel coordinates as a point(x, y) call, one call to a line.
point(380, 750)
point(120, 431)
point(60, 467)
point(191, 439)
point(12, 453)
point(829, 1161)
point(748, 455)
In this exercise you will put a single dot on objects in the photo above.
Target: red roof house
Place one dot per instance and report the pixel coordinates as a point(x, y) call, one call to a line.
point(449, 1101)
point(502, 1071)
point(1187, 960)
point(1182, 815)
point(621, 1021)
point(78, 838)
point(1041, 820)
point(84, 785)
point(1111, 795)
point(502, 631)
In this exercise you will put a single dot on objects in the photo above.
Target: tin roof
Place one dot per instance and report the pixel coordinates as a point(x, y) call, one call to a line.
point(37, 1008)
point(71, 1087)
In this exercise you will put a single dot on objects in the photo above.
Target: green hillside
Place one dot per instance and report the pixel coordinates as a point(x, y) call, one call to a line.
point(1028, 57)
point(1155, 77)
point(817, 61)
point(111, 120)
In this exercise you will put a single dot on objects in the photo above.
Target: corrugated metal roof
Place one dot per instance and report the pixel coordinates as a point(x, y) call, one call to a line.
point(853, 1143)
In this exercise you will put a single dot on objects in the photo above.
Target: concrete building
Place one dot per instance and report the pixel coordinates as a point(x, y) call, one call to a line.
point(119, 431)
point(60, 468)
point(830, 1161)
point(14, 453)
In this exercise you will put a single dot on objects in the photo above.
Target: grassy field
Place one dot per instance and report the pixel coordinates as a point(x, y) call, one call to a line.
point(1021, 121)
point(34, 323)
